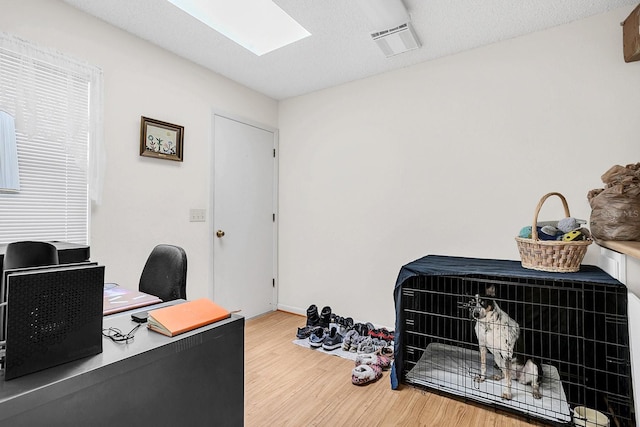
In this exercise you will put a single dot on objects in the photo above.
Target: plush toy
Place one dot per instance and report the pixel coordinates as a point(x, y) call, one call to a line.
point(585, 232)
point(542, 235)
point(568, 230)
point(573, 236)
point(568, 224)
point(550, 230)
point(525, 232)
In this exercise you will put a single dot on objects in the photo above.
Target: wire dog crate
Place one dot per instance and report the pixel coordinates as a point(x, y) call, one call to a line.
point(574, 324)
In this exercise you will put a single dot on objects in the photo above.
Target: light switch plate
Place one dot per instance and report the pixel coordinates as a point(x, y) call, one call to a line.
point(197, 215)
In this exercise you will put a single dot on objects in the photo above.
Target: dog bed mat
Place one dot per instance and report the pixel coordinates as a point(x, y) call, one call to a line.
point(453, 369)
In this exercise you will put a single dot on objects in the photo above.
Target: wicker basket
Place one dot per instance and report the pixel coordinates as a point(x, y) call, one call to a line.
point(551, 255)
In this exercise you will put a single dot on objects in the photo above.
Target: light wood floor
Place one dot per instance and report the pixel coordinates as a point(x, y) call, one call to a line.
point(289, 385)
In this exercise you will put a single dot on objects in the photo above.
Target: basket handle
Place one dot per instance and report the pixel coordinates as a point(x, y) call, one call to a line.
point(534, 227)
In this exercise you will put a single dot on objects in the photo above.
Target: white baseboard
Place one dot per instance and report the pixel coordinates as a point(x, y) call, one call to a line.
point(303, 312)
point(291, 309)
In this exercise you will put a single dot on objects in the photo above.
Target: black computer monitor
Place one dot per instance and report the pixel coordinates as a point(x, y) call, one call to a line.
point(53, 316)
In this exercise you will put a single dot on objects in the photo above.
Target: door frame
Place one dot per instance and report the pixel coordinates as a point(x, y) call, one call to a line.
point(210, 216)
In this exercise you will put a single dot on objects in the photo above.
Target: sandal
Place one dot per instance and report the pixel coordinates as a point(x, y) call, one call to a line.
point(365, 374)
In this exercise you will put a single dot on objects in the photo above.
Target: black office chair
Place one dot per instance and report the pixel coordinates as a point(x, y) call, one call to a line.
point(29, 254)
point(22, 255)
point(165, 273)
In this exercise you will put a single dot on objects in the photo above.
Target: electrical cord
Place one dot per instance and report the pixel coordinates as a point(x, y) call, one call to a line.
point(116, 335)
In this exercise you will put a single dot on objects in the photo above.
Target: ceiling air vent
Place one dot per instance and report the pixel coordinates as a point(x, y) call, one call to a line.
point(396, 40)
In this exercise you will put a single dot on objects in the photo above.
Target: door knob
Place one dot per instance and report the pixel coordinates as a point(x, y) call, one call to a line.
point(219, 233)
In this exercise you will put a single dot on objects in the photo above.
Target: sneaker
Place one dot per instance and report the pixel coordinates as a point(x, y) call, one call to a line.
point(381, 333)
point(363, 330)
point(344, 324)
point(317, 337)
point(325, 317)
point(366, 346)
point(348, 339)
point(347, 322)
point(374, 333)
point(355, 343)
point(386, 335)
point(304, 332)
point(312, 316)
point(332, 340)
point(379, 344)
point(339, 328)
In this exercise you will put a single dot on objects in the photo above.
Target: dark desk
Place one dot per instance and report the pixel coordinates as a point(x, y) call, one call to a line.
point(194, 379)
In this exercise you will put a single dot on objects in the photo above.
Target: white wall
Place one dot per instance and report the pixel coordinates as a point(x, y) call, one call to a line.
point(447, 157)
point(146, 201)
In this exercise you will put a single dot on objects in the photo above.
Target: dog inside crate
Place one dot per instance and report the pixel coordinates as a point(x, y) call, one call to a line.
point(490, 344)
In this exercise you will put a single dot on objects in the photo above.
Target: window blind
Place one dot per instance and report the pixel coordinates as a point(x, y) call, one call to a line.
point(52, 99)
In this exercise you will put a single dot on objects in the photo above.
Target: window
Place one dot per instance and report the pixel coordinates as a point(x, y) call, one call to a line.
point(56, 104)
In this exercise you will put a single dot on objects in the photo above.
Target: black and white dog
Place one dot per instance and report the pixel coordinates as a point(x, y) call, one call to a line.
point(498, 333)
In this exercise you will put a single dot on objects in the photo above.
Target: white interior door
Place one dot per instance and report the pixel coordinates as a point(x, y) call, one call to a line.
point(244, 228)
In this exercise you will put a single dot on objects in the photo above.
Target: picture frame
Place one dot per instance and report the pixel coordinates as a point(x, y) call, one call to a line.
point(161, 140)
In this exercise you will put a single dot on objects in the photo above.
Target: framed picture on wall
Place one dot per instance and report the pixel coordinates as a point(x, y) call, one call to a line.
point(161, 139)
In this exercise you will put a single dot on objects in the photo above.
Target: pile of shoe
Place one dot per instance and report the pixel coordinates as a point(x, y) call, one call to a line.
point(324, 330)
point(365, 338)
point(330, 331)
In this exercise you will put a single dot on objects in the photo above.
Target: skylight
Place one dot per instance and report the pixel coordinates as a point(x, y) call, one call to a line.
point(257, 25)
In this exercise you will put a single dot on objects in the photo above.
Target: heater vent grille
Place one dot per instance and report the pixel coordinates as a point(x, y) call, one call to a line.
point(396, 40)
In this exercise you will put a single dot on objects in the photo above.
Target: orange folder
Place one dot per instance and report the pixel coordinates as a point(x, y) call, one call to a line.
point(180, 318)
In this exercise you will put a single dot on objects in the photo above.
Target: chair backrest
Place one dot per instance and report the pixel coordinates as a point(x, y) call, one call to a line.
point(165, 273)
point(29, 254)
point(23, 255)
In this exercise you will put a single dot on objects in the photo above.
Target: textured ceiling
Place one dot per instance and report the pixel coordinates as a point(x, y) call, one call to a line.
point(340, 48)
